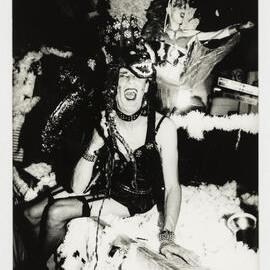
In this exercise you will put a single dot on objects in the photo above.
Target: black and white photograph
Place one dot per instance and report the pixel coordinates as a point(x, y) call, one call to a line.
point(135, 128)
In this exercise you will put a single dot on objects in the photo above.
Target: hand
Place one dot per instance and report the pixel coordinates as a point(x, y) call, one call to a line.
point(248, 25)
point(172, 250)
point(189, 22)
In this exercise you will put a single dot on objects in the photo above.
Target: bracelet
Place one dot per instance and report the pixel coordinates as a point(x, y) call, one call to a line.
point(166, 236)
point(89, 157)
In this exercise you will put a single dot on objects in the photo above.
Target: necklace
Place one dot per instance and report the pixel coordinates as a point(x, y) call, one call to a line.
point(126, 117)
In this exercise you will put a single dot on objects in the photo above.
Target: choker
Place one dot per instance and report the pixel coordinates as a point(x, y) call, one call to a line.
point(126, 117)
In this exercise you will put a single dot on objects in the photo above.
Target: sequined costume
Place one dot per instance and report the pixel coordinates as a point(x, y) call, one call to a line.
point(147, 190)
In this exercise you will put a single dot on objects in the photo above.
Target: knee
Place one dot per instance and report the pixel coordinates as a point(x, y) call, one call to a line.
point(32, 215)
point(57, 215)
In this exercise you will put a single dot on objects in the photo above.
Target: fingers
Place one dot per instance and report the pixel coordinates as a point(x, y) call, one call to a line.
point(189, 22)
point(168, 255)
point(190, 257)
point(250, 24)
point(189, 14)
point(247, 25)
point(192, 12)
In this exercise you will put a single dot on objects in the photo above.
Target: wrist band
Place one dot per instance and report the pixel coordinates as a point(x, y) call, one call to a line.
point(89, 157)
point(166, 236)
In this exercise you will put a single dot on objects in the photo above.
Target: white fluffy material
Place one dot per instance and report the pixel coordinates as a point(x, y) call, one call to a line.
point(196, 123)
point(42, 172)
point(201, 228)
point(23, 87)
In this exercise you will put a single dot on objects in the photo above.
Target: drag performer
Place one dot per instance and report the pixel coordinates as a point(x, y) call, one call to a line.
point(129, 165)
point(184, 60)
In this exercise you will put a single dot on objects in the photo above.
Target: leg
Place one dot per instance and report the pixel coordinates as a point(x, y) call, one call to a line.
point(110, 206)
point(33, 215)
point(27, 220)
point(63, 210)
point(34, 211)
point(53, 231)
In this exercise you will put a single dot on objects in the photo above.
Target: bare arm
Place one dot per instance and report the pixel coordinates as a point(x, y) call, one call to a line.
point(84, 168)
point(225, 32)
point(167, 139)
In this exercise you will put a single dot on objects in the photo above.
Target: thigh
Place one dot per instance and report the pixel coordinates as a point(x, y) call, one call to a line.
point(34, 210)
point(71, 207)
point(36, 207)
point(108, 206)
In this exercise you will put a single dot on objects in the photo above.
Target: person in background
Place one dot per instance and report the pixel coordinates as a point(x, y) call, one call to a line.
point(185, 59)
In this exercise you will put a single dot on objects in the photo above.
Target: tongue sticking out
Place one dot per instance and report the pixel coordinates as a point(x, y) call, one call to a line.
point(130, 94)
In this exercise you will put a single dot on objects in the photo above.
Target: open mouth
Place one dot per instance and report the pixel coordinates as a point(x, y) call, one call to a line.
point(130, 94)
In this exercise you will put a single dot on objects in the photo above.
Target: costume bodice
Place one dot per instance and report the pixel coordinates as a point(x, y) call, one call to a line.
point(176, 39)
point(147, 160)
point(144, 177)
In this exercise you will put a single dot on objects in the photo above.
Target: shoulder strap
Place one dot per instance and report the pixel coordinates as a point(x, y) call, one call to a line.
point(150, 135)
point(159, 123)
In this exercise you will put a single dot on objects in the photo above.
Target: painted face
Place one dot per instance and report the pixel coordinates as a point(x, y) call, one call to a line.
point(178, 9)
point(130, 92)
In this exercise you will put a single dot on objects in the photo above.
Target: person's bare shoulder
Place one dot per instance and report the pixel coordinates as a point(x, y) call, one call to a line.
point(167, 129)
point(165, 122)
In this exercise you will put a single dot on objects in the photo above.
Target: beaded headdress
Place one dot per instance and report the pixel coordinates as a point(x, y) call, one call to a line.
point(124, 47)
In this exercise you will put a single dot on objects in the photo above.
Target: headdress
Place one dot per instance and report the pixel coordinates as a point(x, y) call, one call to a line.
point(124, 47)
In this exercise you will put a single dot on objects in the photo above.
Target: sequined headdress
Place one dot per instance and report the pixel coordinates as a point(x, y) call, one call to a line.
point(124, 47)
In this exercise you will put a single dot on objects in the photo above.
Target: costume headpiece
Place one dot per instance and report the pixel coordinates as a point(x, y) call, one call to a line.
point(125, 47)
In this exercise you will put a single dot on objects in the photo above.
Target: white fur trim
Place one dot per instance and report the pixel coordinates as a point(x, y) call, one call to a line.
point(197, 123)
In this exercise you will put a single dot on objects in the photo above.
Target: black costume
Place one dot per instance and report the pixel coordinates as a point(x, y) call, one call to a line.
point(148, 189)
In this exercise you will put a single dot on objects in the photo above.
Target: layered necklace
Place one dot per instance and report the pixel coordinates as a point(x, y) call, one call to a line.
point(128, 118)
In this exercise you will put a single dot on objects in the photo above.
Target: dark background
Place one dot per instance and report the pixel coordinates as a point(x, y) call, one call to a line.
point(64, 24)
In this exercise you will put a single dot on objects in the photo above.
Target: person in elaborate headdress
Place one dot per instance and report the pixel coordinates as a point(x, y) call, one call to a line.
point(184, 59)
point(130, 164)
